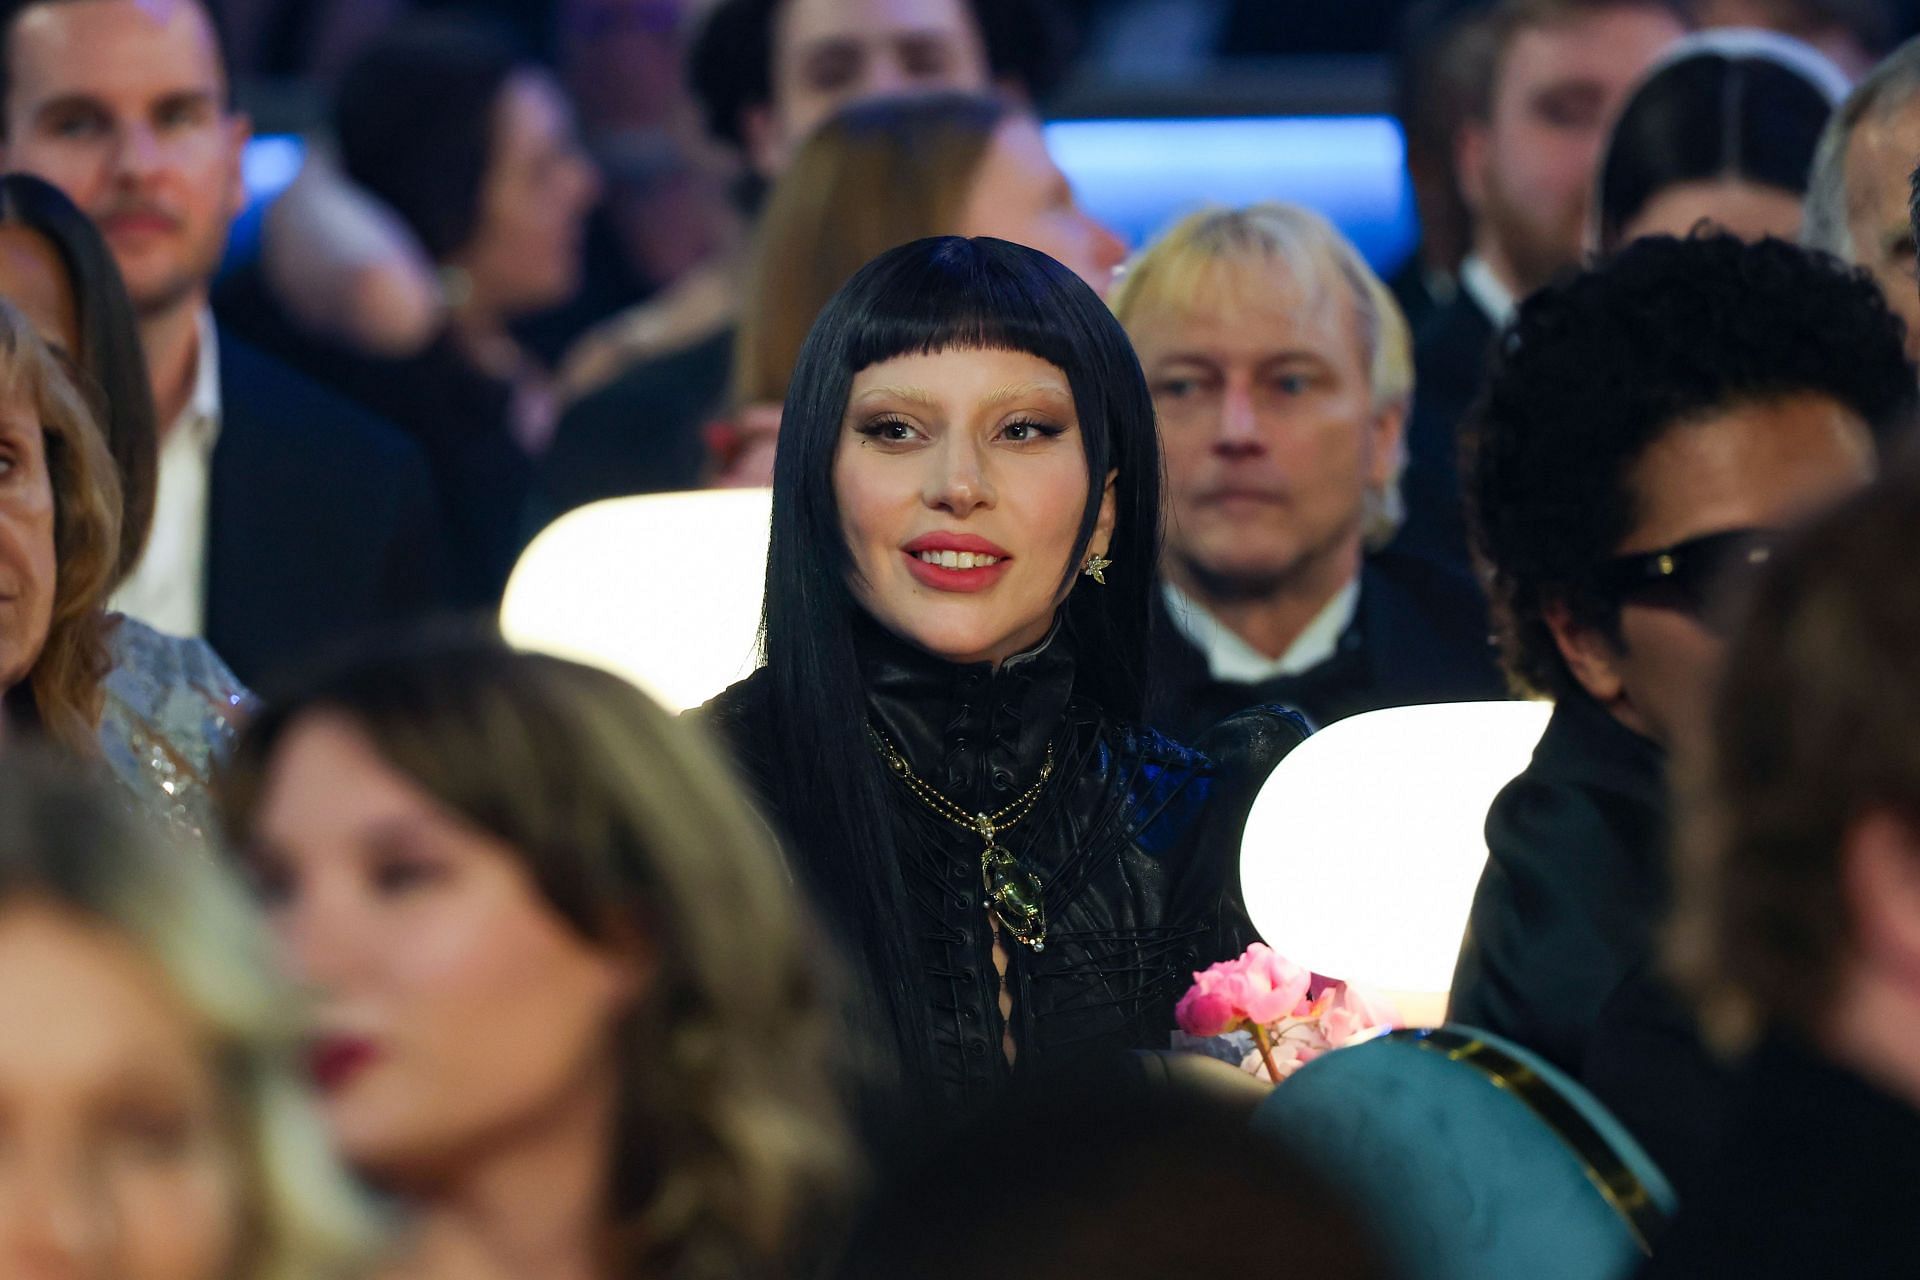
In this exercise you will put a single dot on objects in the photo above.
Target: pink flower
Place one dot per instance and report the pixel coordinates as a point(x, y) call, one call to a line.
point(1275, 985)
point(1351, 1014)
point(1298, 1046)
point(1216, 1004)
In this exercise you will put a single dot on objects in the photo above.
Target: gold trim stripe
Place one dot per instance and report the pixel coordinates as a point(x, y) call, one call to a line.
point(1620, 1186)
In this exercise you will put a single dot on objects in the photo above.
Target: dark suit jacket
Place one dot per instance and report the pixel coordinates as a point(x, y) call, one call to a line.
point(458, 416)
point(321, 520)
point(1450, 361)
point(638, 434)
point(1575, 882)
point(1819, 1175)
point(1420, 635)
point(1648, 1063)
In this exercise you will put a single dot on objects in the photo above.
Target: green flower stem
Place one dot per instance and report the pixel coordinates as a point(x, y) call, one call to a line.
point(1266, 1049)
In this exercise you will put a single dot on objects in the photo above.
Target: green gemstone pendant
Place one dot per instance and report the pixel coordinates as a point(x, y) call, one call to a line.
point(1015, 894)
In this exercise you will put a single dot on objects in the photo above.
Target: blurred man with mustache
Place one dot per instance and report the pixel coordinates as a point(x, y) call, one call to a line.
point(285, 518)
point(1281, 375)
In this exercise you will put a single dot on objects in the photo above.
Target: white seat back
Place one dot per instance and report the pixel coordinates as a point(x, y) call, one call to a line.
point(1364, 847)
point(664, 589)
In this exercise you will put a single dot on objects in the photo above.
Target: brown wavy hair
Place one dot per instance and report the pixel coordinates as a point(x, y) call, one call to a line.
point(875, 176)
point(64, 684)
point(730, 1137)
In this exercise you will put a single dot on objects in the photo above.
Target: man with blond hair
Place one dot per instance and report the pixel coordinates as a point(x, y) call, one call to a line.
point(1281, 375)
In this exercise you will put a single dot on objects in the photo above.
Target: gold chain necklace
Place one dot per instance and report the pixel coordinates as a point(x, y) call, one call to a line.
point(1013, 892)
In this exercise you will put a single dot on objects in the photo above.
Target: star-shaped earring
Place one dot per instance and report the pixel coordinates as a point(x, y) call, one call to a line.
point(1096, 568)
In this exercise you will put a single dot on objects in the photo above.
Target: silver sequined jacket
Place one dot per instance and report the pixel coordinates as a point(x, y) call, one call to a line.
point(172, 710)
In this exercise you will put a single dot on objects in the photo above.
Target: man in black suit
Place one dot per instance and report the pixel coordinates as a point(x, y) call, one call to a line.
point(1526, 157)
point(1650, 429)
point(285, 518)
point(1280, 375)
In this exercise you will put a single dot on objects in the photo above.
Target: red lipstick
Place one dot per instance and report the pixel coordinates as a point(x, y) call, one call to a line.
point(956, 542)
point(336, 1060)
point(964, 581)
point(138, 223)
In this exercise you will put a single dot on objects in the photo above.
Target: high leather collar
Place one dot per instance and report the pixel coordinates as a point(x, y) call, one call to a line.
point(975, 734)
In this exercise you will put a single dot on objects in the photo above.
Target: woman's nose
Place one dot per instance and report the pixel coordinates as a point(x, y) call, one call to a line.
point(957, 482)
point(324, 942)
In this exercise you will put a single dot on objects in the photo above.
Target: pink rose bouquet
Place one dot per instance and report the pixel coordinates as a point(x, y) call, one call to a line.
point(1262, 1012)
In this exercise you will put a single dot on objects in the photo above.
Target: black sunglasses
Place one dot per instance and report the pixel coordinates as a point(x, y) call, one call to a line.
point(1697, 576)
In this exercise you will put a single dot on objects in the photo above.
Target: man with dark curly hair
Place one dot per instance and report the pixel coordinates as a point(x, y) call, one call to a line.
point(1650, 428)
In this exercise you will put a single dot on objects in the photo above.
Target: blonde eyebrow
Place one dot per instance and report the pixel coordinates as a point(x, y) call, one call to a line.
point(1021, 390)
point(911, 395)
point(925, 399)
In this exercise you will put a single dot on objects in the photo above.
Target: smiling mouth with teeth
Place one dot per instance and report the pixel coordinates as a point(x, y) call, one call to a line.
point(957, 559)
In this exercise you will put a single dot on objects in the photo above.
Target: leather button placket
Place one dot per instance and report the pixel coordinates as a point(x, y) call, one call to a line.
point(980, 774)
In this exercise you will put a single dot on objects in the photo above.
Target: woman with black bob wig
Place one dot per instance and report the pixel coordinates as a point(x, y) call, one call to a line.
point(965, 531)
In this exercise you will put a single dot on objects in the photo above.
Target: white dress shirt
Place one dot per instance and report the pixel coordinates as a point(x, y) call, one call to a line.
point(1229, 658)
point(1494, 298)
point(168, 588)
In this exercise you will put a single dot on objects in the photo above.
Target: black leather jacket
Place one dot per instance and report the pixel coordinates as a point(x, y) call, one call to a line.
point(1135, 838)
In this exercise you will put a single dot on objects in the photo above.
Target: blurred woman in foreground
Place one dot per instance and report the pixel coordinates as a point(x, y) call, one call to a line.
point(569, 1016)
point(151, 1123)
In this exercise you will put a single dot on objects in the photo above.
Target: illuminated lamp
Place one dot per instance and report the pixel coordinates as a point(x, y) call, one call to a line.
point(1363, 848)
point(663, 589)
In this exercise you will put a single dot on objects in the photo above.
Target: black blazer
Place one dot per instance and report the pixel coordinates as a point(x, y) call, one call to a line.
point(1649, 1064)
point(321, 520)
point(641, 433)
point(1450, 364)
point(1575, 882)
point(1420, 635)
point(1818, 1174)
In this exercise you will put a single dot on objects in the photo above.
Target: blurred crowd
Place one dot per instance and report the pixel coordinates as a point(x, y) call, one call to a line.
point(338, 939)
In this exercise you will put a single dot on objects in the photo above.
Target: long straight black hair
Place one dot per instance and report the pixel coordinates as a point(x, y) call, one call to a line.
point(939, 294)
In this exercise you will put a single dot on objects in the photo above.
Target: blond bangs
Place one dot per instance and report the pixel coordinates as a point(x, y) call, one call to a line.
point(1219, 258)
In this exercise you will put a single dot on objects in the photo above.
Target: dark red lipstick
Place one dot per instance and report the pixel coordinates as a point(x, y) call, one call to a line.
point(334, 1061)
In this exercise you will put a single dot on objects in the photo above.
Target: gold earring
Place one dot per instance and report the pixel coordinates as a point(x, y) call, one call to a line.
point(1096, 567)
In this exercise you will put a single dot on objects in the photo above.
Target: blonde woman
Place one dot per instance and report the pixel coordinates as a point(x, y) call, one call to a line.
point(154, 1125)
point(569, 1016)
point(1282, 375)
point(156, 709)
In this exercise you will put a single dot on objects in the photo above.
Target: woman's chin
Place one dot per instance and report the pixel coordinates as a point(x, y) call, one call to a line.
point(965, 642)
point(17, 660)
